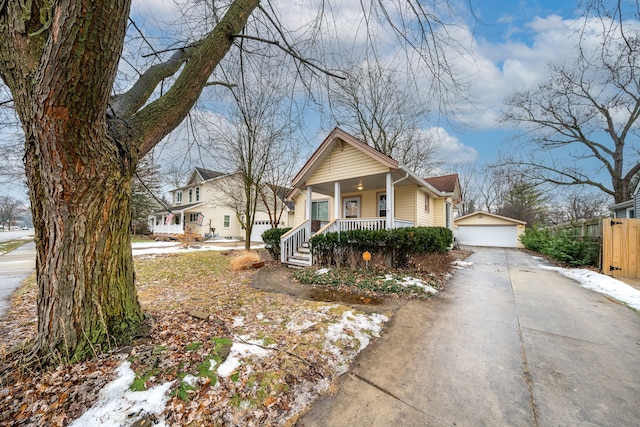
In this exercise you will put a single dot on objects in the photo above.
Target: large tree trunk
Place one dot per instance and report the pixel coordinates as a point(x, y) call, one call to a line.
point(87, 300)
point(59, 59)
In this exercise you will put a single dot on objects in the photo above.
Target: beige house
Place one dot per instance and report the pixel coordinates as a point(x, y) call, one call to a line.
point(487, 229)
point(347, 184)
point(203, 207)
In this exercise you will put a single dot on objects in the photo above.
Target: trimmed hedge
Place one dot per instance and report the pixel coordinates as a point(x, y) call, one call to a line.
point(271, 238)
point(394, 245)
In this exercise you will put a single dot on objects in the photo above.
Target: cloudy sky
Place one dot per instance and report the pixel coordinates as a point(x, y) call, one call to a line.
point(510, 44)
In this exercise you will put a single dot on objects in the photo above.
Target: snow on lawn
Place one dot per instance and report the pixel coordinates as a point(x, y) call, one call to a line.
point(155, 248)
point(240, 350)
point(604, 284)
point(118, 406)
point(412, 281)
point(349, 336)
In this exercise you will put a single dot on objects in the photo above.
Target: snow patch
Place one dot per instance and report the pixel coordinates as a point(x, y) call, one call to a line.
point(458, 264)
point(238, 351)
point(603, 284)
point(412, 281)
point(355, 331)
point(118, 406)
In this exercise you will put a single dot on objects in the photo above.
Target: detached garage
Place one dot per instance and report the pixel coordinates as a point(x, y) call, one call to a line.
point(486, 229)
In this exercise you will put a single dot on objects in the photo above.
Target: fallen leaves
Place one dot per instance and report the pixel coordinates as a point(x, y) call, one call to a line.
point(197, 311)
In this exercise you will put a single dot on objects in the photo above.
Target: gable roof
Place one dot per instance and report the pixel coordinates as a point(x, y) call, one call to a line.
point(338, 135)
point(480, 213)
point(445, 183)
point(207, 174)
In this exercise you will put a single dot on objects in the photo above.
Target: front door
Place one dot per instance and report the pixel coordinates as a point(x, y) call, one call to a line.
point(351, 207)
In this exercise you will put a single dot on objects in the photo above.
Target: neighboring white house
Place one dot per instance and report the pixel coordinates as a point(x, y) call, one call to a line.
point(203, 207)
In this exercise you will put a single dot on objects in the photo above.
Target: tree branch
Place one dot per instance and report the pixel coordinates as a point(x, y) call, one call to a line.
point(291, 52)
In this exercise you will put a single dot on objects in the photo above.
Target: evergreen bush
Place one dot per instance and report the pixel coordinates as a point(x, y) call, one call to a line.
point(271, 238)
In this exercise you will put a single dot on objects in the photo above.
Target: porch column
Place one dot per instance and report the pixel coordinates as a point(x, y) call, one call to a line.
point(337, 202)
point(184, 228)
point(309, 197)
point(390, 201)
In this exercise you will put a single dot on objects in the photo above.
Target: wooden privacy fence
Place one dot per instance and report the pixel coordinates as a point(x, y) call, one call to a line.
point(619, 240)
point(620, 244)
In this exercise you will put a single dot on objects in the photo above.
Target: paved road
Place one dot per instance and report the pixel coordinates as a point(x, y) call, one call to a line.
point(508, 344)
point(15, 234)
point(15, 266)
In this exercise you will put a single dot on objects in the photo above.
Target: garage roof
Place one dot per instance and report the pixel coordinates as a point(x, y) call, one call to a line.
point(474, 217)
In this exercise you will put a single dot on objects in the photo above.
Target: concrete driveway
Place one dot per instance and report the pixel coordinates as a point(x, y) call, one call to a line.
point(508, 344)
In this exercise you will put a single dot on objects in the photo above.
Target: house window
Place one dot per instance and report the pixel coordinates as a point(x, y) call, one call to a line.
point(197, 194)
point(193, 217)
point(178, 196)
point(190, 195)
point(227, 221)
point(427, 203)
point(382, 205)
point(320, 210)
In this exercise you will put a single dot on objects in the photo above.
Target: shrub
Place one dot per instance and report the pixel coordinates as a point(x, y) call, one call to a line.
point(394, 245)
point(562, 247)
point(271, 238)
point(535, 239)
point(574, 252)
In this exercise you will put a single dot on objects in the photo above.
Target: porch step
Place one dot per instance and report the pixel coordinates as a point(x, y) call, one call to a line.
point(298, 262)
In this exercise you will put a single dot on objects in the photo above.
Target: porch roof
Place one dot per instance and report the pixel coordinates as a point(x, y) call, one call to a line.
point(400, 174)
point(177, 209)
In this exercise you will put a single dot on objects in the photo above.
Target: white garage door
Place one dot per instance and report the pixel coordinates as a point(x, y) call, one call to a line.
point(503, 236)
point(259, 227)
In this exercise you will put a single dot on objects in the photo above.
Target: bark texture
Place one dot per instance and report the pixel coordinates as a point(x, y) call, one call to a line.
point(59, 59)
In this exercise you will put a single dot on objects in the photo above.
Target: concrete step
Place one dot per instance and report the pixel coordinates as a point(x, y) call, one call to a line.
point(298, 263)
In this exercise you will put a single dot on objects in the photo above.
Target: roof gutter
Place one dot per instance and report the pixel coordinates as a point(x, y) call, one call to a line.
point(410, 173)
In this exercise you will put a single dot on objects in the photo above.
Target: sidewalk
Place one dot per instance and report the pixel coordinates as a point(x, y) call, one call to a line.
point(15, 266)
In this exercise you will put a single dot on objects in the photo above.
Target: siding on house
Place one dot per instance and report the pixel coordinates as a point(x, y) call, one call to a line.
point(439, 207)
point(424, 218)
point(346, 162)
point(405, 203)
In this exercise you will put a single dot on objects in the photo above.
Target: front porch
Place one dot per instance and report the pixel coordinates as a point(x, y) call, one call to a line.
point(294, 245)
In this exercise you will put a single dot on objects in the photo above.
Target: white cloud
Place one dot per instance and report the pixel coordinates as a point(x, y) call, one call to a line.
point(450, 149)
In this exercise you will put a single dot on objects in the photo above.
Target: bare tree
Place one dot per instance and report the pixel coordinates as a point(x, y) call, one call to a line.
point(579, 204)
point(85, 132)
point(276, 181)
point(469, 189)
point(253, 140)
point(584, 118)
point(10, 209)
point(374, 104)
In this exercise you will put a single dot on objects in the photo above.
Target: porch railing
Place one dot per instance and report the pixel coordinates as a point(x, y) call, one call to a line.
point(293, 239)
point(168, 229)
point(340, 225)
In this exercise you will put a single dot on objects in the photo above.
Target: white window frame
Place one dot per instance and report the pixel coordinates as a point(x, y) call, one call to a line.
point(178, 196)
point(226, 221)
